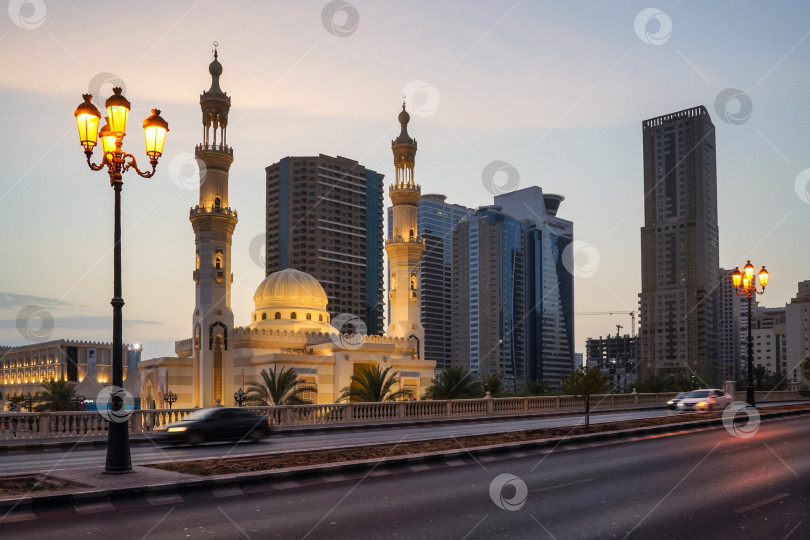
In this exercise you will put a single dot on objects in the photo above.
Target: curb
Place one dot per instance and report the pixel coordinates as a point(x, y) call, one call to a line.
point(204, 487)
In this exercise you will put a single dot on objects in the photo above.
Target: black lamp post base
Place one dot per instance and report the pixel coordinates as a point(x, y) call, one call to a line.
point(749, 396)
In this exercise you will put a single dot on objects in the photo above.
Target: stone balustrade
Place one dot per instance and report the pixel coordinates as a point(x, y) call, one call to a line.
point(42, 425)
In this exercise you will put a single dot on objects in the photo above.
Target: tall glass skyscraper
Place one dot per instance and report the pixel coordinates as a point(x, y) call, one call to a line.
point(513, 299)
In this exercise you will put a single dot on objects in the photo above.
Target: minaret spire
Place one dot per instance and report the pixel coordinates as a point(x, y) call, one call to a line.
point(404, 246)
point(213, 221)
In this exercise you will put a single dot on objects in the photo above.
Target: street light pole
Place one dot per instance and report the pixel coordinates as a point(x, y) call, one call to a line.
point(117, 162)
point(745, 283)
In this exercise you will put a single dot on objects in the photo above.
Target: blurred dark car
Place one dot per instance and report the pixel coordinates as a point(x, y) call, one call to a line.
point(215, 424)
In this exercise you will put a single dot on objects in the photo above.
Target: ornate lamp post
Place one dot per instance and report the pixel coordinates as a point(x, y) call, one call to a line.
point(745, 284)
point(170, 398)
point(240, 397)
point(117, 162)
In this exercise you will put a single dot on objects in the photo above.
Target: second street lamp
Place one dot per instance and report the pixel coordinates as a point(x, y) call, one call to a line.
point(170, 398)
point(745, 283)
point(117, 163)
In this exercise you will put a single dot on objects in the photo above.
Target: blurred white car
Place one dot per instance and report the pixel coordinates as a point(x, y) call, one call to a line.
point(673, 403)
point(705, 400)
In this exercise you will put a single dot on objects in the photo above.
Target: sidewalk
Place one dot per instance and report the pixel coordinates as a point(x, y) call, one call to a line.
point(93, 491)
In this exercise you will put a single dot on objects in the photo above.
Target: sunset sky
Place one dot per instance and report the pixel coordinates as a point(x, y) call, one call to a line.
point(556, 89)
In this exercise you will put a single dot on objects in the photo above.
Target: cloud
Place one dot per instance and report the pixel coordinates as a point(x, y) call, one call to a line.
point(80, 322)
point(14, 301)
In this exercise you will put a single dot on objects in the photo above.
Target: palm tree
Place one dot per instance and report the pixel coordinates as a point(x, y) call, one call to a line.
point(277, 388)
point(370, 383)
point(454, 383)
point(57, 396)
point(493, 385)
point(761, 373)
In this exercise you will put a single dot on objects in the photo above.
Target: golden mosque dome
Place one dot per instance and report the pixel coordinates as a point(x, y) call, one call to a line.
point(293, 300)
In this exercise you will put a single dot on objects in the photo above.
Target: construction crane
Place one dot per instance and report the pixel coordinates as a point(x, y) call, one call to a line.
point(631, 313)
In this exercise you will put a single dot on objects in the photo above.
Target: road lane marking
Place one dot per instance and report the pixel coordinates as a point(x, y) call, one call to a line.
point(761, 503)
point(558, 486)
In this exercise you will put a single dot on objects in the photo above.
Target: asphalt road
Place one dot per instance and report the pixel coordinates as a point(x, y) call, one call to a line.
point(52, 460)
point(706, 484)
point(286, 442)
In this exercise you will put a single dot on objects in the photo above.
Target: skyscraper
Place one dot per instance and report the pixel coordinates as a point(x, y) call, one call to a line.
point(325, 217)
point(729, 327)
point(679, 247)
point(513, 298)
point(436, 219)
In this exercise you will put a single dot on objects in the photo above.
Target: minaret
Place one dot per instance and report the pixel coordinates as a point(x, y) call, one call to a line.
point(404, 246)
point(213, 221)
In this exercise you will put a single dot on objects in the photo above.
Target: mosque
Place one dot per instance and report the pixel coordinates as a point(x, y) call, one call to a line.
point(290, 326)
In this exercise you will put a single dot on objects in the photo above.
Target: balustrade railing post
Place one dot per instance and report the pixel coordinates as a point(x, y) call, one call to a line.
point(348, 415)
point(44, 424)
point(557, 403)
point(401, 410)
point(490, 403)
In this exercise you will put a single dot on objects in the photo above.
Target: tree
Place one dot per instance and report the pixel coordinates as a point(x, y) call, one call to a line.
point(372, 384)
point(534, 388)
point(454, 383)
point(760, 375)
point(276, 388)
point(57, 396)
point(584, 382)
point(493, 385)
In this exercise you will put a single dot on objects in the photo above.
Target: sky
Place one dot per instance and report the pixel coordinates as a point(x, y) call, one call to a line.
point(557, 90)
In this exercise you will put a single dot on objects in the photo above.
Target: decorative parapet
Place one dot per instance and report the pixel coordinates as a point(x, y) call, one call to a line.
point(246, 333)
point(211, 211)
point(214, 148)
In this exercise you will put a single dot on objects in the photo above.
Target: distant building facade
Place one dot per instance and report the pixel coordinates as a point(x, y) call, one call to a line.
point(512, 296)
point(769, 335)
point(616, 357)
point(731, 341)
point(798, 331)
point(680, 247)
point(325, 217)
point(25, 368)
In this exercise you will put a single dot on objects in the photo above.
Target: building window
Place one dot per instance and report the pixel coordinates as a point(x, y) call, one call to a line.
point(277, 315)
point(217, 203)
point(320, 318)
point(264, 316)
point(309, 316)
point(293, 315)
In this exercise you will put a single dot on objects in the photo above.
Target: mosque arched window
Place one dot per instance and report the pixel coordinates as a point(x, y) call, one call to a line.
point(264, 316)
point(293, 315)
point(277, 315)
point(320, 318)
point(217, 202)
point(309, 316)
point(254, 316)
point(218, 261)
point(410, 235)
point(197, 264)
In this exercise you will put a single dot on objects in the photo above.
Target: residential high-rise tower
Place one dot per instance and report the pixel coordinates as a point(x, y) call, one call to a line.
point(679, 248)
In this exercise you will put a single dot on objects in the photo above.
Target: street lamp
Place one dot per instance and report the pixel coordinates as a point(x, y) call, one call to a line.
point(745, 283)
point(29, 401)
point(170, 398)
point(117, 162)
point(240, 397)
